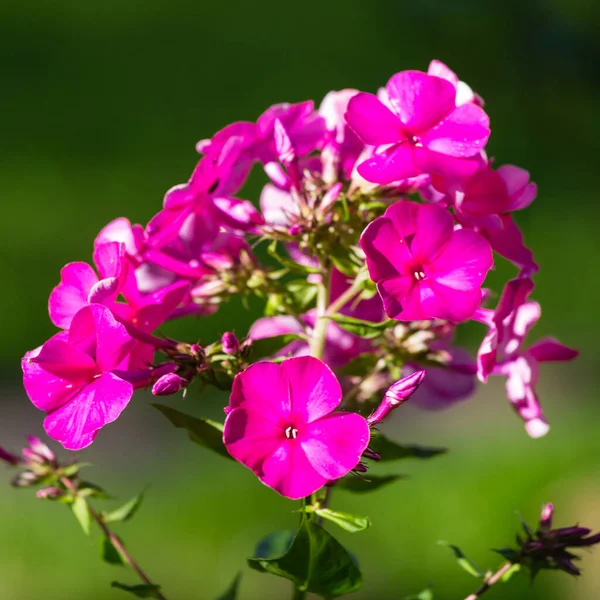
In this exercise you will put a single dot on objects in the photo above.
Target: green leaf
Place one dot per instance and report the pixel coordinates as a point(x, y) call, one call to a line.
point(464, 562)
point(508, 553)
point(426, 594)
point(125, 512)
point(275, 544)
point(389, 450)
point(301, 294)
point(141, 591)
point(71, 470)
point(369, 483)
point(347, 521)
point(268, 346)
point(363, 329)
point(109, 553)
point(93, 491)
point(232, 591)
point(512, 571)
point(316, 562)
point(81, 511)
point(204, 432)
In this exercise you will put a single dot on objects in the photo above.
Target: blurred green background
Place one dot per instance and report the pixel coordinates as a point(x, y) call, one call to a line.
point(102, 103)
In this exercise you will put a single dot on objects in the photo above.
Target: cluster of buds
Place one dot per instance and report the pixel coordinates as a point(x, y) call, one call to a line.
point(37, 460)
point(548, 548)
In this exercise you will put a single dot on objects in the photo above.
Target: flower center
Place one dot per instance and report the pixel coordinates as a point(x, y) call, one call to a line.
point(413, 140)
point(418, 273)
point(291, 433)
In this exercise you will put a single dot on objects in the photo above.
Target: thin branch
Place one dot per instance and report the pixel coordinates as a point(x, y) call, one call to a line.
point(490, 581)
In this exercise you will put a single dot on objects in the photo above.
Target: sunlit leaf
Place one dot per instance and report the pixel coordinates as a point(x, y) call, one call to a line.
point(109, 553)
point(141, 591)
point(347, 521)
point(125, 512)
point(464, 562)
point(81, 511)
point(232, 591)
point(389, 450)
point(315, 561)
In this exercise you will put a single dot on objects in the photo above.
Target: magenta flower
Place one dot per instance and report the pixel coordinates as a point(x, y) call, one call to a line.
point(464, 93)
point(424, 132)
point(78, 378)
point(502, 352)
point(281, 426)
point(422, 266)
point(79, 285)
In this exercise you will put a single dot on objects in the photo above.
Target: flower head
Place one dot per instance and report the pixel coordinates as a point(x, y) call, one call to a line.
point(422, 266)
point(421, 130)
point(280, 425)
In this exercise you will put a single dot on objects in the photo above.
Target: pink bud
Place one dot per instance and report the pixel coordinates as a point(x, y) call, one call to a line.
point(8, 457)
point(49, 493)
point(330, 197)
point(40, 448)
point(398, 393)
point(546, 518)
point(217, 261)
point(167, 385)
point(230, 343)
point(295, 229)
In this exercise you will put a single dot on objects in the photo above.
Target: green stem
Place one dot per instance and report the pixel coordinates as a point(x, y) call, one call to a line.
point(347, 296)
point(490, 581)
point(114, 539)
point(299, 594)
point(317, 346)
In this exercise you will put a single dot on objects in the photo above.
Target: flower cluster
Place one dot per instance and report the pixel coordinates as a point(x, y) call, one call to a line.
point(383, 214)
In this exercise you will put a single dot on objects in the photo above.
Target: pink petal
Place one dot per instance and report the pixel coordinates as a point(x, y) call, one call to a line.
point(45, 390)
point(112, 342)
point(264, 389)
point(386, 251)
point(334, 444)
point(441, 302)
point(289, 472)
point(277, 205)
point(373, 122)
point(463, 262)
point(420, 100)
point(391, 165)
point(77, 422)
point(109, 259)
point(272, 326)
point(434, 227)
point(551, 350)
point(314, 389)
point(401, 299)
point(485, 194)
point(521, 192)
point(439, 69)
point(121, 230)
point(64, 360)
point(463, 133)
point(278, 462)
point(71, 294)
point(238, 214)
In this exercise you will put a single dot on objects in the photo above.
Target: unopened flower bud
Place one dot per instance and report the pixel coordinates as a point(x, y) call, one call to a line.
point(546, 518)
point(217, 261)
point(24, 479)
point(396, 395)
point(167, 385)
point(208, 289)
point(295, 229)
point(49, 493)
point(40, 448)
point(230, 343)
point(360, 468)
point(330, 197)
point(8, 457)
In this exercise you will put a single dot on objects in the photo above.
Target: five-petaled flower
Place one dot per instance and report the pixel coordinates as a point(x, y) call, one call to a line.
point(280, 425)
point(423, 267)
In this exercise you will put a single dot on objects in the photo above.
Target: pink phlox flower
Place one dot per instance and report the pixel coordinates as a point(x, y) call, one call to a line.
point(423, 132)
point(80, 285)
point(422, 266)
point(207, 195)
point(502, 352)
point(281, 425)
point(79, 377)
